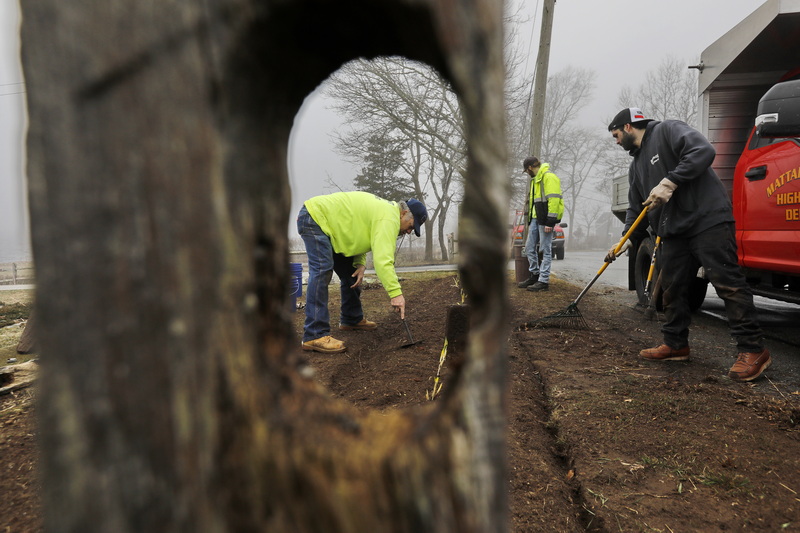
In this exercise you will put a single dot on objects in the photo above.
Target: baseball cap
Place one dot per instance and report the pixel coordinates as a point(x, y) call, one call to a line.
point(629, 115)
point(420, 213)
point(530, 162)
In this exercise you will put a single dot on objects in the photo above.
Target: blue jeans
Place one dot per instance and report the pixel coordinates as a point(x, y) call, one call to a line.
point(536, 235)
point(322, 262)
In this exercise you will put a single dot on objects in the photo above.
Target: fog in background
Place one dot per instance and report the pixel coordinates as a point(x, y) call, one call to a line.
point(14, 238)
point(618, 39)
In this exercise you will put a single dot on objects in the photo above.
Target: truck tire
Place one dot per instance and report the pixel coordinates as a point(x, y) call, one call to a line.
point(559, 253)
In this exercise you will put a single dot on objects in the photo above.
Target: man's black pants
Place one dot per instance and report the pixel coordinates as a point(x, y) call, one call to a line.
point(715, 250)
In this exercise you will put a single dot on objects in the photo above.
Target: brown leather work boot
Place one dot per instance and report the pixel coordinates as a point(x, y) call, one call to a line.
point(326, 344)
point(364, 325)
point(665, 353)
point(750, 365)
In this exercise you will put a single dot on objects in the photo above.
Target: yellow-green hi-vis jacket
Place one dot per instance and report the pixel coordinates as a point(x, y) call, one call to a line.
point(545, 202)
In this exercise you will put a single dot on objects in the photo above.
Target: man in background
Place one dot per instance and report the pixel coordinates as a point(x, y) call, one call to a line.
point(545, 207)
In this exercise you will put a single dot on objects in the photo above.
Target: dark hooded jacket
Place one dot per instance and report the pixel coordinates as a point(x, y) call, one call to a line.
point(673, 149)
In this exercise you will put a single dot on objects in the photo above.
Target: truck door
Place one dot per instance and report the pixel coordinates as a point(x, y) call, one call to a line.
point(766, 204)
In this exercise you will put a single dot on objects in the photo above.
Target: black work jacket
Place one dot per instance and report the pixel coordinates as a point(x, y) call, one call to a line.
point(673, 149)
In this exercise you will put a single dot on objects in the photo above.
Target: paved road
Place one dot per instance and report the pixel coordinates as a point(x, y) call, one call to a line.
point(16, 287)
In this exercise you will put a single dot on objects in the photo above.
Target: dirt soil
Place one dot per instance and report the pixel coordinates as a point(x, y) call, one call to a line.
point(598, 440)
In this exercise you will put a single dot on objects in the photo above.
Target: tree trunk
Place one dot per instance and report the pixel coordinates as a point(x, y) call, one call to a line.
point(173, 397)
point(441, 236)
point(27, 341)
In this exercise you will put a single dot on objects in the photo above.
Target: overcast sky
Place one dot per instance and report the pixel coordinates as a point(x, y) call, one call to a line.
point(13, 236)
point(619, 39)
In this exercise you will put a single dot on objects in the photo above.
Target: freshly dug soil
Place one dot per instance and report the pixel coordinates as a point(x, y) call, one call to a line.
point(598, 440)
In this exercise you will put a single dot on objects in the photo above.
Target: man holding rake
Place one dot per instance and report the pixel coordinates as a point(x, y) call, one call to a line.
point(691, 212)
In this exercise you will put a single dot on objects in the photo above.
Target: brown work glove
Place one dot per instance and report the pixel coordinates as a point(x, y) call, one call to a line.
point(661, 193)
point(611, 256)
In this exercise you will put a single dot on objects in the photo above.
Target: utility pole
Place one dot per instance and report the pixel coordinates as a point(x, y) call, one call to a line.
point(540, 83)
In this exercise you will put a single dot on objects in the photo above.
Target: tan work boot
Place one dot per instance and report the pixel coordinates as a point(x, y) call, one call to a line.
point(750, 365)
point(325, 344)
point(364, 325)
point(665, 353)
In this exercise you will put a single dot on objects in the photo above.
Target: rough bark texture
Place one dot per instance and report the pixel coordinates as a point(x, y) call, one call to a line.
point(173, 397)
point(27, 341)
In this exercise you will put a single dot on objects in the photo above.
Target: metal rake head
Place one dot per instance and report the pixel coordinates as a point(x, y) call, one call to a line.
point(568, 318)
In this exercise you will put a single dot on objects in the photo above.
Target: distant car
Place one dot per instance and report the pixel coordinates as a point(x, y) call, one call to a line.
point(559, 239)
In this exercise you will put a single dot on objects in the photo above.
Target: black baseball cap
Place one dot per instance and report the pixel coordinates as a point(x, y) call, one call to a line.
point(417, 209)
point(629, 115)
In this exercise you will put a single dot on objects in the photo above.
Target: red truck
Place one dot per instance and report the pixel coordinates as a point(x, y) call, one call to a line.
point(749, 109)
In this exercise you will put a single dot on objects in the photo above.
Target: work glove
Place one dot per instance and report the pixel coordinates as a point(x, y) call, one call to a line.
point(661, 193)
point(611, 256)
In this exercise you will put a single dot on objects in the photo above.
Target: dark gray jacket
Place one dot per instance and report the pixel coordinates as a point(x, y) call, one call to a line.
point(673, 149)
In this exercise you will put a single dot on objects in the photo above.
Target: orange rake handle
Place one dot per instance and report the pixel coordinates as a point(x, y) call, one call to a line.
point(625, 237)
point(652, 266)
point(616, 251)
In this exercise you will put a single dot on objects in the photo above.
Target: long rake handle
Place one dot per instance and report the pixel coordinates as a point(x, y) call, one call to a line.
point(652, 266)
point(616, 251)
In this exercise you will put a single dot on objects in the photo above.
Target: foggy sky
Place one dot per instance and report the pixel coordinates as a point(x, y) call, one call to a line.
point(619, 39)
point(13, 207)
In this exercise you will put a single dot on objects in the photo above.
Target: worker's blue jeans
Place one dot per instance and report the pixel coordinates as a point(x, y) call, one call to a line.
point(322, 262)
point(536, 235)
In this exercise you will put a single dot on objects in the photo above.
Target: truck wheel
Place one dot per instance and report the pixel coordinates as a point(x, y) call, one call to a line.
point(559, 253)
point(697, 293)
point(644, 255)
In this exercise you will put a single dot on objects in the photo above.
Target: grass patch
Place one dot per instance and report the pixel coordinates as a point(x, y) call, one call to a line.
point(428, 275)
point(723, 481)
point(13, 313)
point(687, 471)
point(15, 296)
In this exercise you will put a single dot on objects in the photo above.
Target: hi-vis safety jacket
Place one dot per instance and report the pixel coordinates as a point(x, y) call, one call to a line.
point(545, 202)
point(358, 222)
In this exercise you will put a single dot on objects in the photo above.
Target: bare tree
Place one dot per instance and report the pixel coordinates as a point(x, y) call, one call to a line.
point(574, 153)
point(579, 172)
point(588, 220)
point(668, 92)
point(568, 92)
point(518, 98)
point(413, 106)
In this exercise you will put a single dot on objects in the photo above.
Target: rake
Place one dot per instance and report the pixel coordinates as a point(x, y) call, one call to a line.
point(650, 310)
point(570, 317)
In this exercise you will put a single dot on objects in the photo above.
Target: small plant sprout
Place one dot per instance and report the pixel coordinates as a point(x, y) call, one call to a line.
point(437, 382)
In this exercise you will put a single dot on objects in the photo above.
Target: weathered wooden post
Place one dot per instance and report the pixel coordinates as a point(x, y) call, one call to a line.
point(171, 398)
